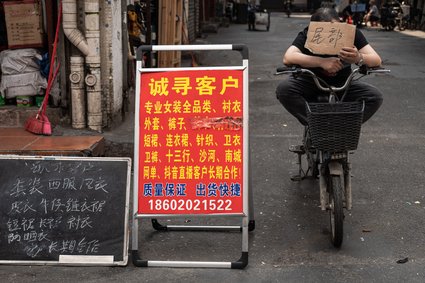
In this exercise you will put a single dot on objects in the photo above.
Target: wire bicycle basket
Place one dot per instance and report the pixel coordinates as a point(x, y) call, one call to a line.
point(335, 127)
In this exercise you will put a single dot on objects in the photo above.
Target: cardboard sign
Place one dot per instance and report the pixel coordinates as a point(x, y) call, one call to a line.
point(328, 38)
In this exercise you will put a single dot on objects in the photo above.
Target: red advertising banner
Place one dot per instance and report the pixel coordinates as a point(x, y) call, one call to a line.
point(190, 143)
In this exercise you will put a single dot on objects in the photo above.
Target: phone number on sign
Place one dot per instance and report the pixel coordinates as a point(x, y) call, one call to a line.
point(190, 205)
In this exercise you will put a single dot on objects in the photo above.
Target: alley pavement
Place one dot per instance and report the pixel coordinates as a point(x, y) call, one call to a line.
point(383, 234)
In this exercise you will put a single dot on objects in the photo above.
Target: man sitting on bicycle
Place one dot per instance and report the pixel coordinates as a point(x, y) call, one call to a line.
point(293, 92)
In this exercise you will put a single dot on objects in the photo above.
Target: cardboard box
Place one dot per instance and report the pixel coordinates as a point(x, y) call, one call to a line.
point(23, 23)
point(328, 38)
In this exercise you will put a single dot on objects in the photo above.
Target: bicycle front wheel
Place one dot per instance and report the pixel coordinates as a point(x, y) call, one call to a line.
point(336, 210)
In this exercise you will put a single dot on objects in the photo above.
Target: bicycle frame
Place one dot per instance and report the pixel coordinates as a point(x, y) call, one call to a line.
point(331, 165)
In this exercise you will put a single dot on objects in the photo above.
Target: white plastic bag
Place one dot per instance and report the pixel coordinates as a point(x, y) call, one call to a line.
point(19, 61)
point(22, 84)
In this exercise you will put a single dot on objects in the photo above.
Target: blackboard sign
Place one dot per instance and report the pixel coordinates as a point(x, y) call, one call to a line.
point(64, 210)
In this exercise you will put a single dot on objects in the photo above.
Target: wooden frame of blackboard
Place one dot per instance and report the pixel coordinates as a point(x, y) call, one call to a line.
point(101, 256)
point(248, 223)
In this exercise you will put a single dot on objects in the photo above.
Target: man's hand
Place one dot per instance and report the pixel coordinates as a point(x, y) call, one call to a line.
point(331, 65)
point(350, 55)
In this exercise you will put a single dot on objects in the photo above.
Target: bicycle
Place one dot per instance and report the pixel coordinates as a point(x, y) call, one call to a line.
point(333, 131)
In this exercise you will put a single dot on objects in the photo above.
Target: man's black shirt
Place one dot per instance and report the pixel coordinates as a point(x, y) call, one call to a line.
point(359, 42)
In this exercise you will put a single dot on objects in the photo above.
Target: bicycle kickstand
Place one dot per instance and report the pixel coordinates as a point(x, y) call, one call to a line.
point(299, 150)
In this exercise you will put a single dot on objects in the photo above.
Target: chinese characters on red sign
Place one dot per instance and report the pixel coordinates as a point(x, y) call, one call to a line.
point(191, 142)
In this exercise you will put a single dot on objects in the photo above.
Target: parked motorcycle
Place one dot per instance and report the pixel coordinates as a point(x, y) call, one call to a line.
point(394, 15)
point(388, 17)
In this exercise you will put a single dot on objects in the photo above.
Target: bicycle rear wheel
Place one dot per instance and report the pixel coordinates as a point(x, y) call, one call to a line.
point(336, 210)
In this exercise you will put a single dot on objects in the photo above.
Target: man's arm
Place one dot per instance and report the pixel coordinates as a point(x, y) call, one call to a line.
point(367, 56)
point(294, 56)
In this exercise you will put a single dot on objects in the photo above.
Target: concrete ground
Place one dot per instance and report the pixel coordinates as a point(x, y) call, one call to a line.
point(291, 239)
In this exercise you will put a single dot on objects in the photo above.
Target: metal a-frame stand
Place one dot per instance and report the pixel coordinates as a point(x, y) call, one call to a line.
point(248, 223)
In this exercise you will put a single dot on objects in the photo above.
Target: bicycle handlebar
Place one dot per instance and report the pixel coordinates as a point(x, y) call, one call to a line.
point(300, 71)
